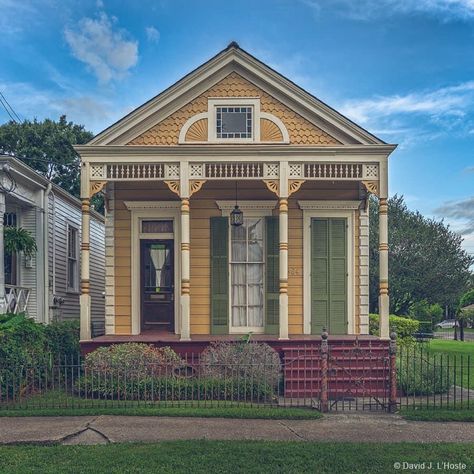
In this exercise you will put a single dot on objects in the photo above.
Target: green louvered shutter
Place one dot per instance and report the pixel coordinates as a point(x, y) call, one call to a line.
point(272, 276)
point(329, 275)
point(338, 276)
point(319, 275)
point(219, 275)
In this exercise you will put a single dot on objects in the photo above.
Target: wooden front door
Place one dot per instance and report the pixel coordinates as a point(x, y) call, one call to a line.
point(157, 284)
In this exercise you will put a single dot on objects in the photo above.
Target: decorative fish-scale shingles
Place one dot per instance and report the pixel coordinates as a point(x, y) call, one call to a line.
point(300, 130)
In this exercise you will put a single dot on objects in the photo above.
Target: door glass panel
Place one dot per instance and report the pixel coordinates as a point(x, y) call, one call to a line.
point(158, 271)
point(157, 227)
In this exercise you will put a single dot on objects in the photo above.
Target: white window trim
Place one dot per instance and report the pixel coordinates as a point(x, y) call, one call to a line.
point(328, 209)
point(154, 210)
point(210, 116)
point(250, 209)
point(212, 105)
point(75, 288)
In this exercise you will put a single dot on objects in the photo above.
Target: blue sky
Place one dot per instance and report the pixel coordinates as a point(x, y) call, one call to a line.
point(404, 69)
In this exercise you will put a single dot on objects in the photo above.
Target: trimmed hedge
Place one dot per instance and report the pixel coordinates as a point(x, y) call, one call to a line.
point(403, 327)
point(172, 388)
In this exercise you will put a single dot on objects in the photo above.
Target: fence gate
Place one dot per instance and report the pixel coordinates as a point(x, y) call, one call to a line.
point(358, 377)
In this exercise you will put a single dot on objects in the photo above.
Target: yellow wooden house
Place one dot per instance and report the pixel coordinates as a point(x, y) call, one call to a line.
point(236, 203)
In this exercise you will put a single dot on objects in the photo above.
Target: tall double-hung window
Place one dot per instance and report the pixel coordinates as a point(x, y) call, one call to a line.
point(247, 275)
point(72, 258)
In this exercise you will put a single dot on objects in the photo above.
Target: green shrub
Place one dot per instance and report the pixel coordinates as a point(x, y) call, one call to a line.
point(22, 341)
point(418, 374)
point(428, 313)
point(62, 340)
point(249, 361)
point(29, 349)
point(403, 327)
point(171, 388)
point(134, 360)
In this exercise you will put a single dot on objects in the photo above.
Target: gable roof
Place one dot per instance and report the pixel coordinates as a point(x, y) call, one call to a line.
point(234, 59)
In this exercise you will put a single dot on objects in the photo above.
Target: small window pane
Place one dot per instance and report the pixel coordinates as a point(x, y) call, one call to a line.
point(234, 122)
point(157, 227)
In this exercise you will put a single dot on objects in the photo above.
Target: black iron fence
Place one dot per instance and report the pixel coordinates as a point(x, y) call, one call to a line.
point(360, 375)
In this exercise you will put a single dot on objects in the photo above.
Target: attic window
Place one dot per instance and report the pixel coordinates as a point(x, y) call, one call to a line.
point(234, 122)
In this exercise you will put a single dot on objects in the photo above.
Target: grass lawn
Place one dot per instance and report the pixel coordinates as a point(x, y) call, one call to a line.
point(456, 351)
point(58, 403)
point(231, 456)
point(459, 348)
point(452, 330)
point(462, 412)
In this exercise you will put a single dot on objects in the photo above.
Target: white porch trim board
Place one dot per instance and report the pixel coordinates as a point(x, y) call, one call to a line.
point(110, 260)
point(364, 270)
point(158, 210)
point(3, 303)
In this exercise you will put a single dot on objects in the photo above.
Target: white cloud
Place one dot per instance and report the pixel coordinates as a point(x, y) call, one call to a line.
point(454, 101)
point(369, 9)
point(152, 34)
point(460, 215)
point(415, 116)
point(92, 111)
point(461, 211)
point(106, 50)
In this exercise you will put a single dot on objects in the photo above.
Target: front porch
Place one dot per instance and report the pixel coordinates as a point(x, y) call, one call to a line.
point(199, 342)
point(290, 209)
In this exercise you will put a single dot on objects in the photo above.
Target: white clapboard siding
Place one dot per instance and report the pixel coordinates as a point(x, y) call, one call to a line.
point(67, 212)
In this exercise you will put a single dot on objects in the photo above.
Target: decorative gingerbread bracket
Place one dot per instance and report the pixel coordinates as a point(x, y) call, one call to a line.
point(273, 185)
point(372, 187)
point(96, 187)
point(195, 185)
point(173, 186)
point(294, 185)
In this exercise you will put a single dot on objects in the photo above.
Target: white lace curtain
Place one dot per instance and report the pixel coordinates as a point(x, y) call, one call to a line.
point(247, 292)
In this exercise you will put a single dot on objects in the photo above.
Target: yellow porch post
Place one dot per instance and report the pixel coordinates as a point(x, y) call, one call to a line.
point(85, 298)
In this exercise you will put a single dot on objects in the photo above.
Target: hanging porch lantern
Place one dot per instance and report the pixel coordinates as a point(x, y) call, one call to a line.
point(236, 216)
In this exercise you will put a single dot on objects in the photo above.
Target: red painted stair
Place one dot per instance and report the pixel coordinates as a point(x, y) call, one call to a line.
point(356, 369)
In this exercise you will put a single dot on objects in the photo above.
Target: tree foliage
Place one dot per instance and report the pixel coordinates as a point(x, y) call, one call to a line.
point(426, 260)
point(46, 146)
point(467, 299)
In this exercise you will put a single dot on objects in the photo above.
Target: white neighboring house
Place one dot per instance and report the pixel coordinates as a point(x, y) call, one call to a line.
point(47, 285)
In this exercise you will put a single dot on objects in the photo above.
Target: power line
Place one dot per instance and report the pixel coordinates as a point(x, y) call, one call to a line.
point(6, 109)
point(43, 160)
point(3, 98)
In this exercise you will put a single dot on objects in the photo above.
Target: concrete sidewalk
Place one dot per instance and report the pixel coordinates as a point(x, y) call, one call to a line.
point(334, 427)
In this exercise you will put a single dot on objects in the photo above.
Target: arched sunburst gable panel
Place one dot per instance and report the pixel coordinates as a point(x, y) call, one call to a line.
point(300, 130)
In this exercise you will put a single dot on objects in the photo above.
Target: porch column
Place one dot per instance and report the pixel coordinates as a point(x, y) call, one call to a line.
point(85, 298)
point(185, 272)
point(3, 303)
point(383, 255)
point(185, 257)
point(283, 260)
point(283, 218)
